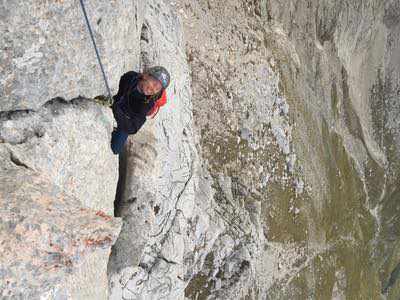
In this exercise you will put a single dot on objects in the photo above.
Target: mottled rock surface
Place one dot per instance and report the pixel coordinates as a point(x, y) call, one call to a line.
point(47, 51)
point(46, 238)
point(321, 179)
point(164, 198)
point(58, 181)
point(70, 143)
point(272, 172)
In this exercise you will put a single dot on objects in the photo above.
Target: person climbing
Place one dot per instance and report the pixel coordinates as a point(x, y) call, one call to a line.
point(139, 95)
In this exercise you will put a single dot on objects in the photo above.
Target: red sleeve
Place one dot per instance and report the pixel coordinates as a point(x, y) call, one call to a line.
point(160, 102)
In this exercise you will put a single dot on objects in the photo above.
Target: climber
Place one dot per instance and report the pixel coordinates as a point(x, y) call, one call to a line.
point(139, 95)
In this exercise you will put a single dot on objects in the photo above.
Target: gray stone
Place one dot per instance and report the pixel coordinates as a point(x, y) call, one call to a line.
point(47, 52)
point(328, 96)
point(272, 172)
point(70, 142)
point(66, 236)
point(164, 189)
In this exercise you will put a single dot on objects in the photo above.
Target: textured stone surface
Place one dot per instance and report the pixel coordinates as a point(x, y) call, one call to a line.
point(280, 180)
point(70, 143)
point(165, 200)
point(324, 196)
point(46, 236)
point(346, 95)
point(47, 52)
point(58, 181)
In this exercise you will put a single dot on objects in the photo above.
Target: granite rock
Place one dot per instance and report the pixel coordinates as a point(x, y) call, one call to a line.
point(47, 237)
point(303, 156)
point(271, 173)
point(47, 51)
point(69, 141)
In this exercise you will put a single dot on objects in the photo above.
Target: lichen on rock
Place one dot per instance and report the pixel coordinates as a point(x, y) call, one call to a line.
point(46, 237)
point(271, 173)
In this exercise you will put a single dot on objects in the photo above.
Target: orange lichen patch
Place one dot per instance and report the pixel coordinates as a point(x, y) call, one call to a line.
point(97, 242)
point(103, 215)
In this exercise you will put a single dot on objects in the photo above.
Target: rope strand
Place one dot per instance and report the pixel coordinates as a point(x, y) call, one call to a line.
point(95, 48)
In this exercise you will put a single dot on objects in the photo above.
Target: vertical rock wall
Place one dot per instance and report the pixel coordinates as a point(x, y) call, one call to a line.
point(328, 156)
point(58, 173)
point(164, 198)
point(347, 94)
point(47, 51)
point(58, 181)
point(52, 247)
point(279, 181)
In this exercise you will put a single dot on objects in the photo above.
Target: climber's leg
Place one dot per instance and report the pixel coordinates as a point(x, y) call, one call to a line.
point(118, 139)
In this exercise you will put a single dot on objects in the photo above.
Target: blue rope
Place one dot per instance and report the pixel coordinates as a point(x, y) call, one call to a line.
point(95, 48)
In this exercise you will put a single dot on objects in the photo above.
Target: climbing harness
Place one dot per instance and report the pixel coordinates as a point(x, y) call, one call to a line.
point(95, 48)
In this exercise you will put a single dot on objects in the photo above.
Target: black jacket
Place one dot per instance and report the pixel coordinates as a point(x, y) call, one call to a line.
point(130, 107)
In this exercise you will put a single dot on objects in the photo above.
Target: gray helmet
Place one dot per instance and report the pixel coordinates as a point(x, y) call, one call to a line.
point(161, 74)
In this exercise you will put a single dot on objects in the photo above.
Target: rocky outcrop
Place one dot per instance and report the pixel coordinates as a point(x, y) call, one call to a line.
point(280, 179)
point(164, 198)
point(69, 141)
point(58, 174)
point(162, 191)
point(58, 181)
point(326, 213)
point(52, 247)
point(47, 52)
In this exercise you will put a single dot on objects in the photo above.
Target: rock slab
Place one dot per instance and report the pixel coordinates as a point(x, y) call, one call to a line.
point(46, 236)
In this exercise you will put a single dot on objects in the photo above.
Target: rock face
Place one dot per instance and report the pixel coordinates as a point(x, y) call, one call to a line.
point(47, 52)
point(271, 173)
point(68, 141)
point(58, 174)
point(58, 181)
point(47, 240)
point(164, 199)
point(318, 126)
